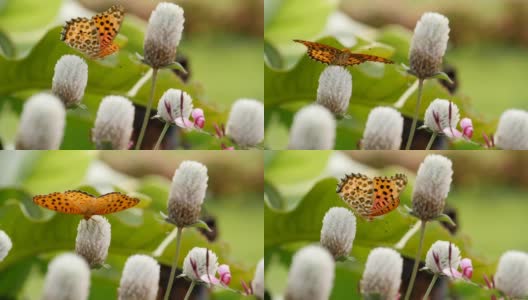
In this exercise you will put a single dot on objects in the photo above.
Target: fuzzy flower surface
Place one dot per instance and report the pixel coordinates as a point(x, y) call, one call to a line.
point(5, 245)
point(258, 285)
point(70, 79)
point(200, 264)
point(245, 125)
point(428, 45)
point(176, 107)
point(432, 185)
point(442, 258)
point(93, 240)
point(41, 124)
point(164, 32)
point(68, 278)
point(313, 128)
point(335, 89)
point(338, 231)
point(140, 278)
point(113, 123)
point(512, 131)
point(382, 275)
point(311, 274)
point(383, 130)
point(187, 193)
point(511, 277)
point(441, 115)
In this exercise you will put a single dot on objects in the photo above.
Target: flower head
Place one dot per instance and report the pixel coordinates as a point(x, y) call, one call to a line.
point(335, 89)
point(443, 258)
point(432, 186)
point(5, 245)
point(113, 123)
point(163, 35)
point(313, 128)
point(69, 79)
point(441, 115)
point(140, 278)
point(311, 274)
point(245, 125)
point(176, 106)
point(68, 278)
point(382, 275)
point(200, 264)
point(41, 123)
point(338, 231)
point(383, 130)
point(257, 285)
point(187, 193)
point(93, 240)
point(428, 45)
point(512, 132)
point(511, 277)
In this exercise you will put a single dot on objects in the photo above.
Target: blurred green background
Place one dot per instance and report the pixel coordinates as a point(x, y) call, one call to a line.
point(487, 197)
point(233, 202)
point(222, 42)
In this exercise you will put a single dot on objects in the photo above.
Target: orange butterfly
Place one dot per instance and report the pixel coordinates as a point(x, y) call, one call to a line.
point(82, 203)
point(94, 37)
point(371, 197)
point(333, 56)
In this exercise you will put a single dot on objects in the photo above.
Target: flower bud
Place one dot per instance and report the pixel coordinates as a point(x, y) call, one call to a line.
point(257, 284)
point(383, 130)
point(440, 257)
point(335, 89)
point(93, 240)
point(511, 277)
point(512, 132)
point(382, 275)
point(196, 264)
point(68, 278)
point(69, 79)
point(338, 231)
point(113, 123)
point(245, 125)
point(5, 245)
point(313, 128)
point(140, 279)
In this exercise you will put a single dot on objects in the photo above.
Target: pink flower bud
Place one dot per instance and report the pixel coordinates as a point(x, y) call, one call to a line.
point(225, 274)
point(467, 127)
point(467, 268)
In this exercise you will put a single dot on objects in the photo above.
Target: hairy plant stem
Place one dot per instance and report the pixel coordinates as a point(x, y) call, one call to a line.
point(174, 263)
point(416, 261)
point(147, 112)
point(189, 291)
point(431, 141)
point(415, 117)
point(162, 135)
point(430, 288)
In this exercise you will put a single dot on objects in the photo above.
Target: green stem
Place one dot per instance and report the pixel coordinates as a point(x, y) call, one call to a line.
point(174, 263)
point(430, 288)
point(189, 291)
point(416, 261)
point(147, 112)
point(431, 140)
point(416, 112)
point(162, 135)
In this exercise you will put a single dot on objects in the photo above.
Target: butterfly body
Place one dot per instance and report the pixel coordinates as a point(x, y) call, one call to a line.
point(333, 56)
point(371, 197)
point(94, 37)
point(82, 203)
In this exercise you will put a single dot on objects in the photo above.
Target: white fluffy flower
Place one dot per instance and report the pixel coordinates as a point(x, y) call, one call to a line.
point(140, 278)
point(163, 35)
point(258, 281)
point(382, 275)
point(432, 185)
point(41, 123)
point(428, 44)
point(338, 231)
point(311, 274)
point(313, 128)
point(187, 193)
point(512, 132)
point(68, 278)
point(195, 264)
point(69, 79)
point(438, 116)
point(245, 124)
point(443, 261)
point(93, 240)
point(171, 108)
point(383, 130)
point(512, 274)
point(5, 245)
point(335, 89)
point(113, 123)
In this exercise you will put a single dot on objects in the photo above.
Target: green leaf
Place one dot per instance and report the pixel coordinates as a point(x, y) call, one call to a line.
point(272, 56)
point(7, 48)
point(273, 196)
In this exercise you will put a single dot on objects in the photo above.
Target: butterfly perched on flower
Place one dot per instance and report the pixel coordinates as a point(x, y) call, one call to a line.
point(82, 203)
point(333, 56)
point(371, 197)
point(94, 37)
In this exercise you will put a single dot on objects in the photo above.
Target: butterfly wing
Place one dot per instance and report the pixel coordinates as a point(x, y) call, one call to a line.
point(357, 58)
point(69, 202)
point(357, 191)
point(81, 34)
point(387, 194)
point(320, 52)
point(108, 24)
point(113, 202)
